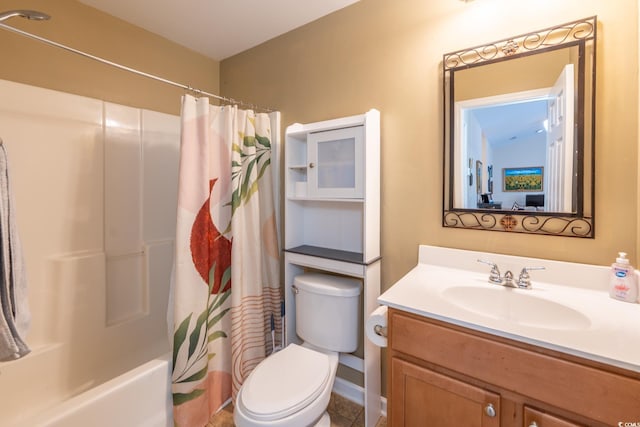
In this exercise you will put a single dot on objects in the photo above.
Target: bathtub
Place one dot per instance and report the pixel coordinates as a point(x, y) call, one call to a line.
point(99, 266)
point(138, 398)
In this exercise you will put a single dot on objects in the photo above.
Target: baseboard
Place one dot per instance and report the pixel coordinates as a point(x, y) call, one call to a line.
point(352, 361)
point(355, 393)
point(349, 390)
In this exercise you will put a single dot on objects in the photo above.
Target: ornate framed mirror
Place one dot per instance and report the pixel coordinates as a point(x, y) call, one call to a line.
point(519, 133)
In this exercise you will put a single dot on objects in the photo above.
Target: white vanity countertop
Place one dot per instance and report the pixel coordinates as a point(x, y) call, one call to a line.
point(568, 309)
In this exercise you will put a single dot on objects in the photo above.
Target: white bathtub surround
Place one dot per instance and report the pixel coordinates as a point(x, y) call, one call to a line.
point(15, 317)
point(568, 308)
point(227, 256)
point(95, 187)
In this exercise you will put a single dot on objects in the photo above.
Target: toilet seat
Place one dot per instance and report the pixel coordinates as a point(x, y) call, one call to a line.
point(301, 375)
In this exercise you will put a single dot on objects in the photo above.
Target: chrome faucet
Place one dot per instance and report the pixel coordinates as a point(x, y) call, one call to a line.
point(523, 282)
point(507, 280)
point(494, 274)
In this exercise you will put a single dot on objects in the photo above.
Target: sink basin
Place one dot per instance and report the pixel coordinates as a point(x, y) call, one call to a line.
point(515, 305)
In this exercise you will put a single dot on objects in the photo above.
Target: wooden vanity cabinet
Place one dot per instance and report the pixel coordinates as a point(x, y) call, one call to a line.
point(535, 418)
point(443, 375)
point(432, 399)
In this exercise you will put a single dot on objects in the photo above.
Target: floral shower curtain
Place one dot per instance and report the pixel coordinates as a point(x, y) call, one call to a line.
point(226, 285)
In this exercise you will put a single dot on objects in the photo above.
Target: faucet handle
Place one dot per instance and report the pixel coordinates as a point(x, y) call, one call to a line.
point(524, 280)
point(494, 274)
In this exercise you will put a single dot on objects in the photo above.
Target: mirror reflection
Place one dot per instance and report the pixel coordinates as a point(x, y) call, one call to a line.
point(517, 119)
point(519, 128)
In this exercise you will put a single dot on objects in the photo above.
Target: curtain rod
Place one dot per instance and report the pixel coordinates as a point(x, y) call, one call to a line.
point(129, 69)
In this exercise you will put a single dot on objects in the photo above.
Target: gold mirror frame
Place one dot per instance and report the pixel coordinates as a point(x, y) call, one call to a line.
point(580, 33)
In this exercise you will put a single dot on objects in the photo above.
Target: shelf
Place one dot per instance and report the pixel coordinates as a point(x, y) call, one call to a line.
point(298, 130)
point(332, 224)
point(335, 254)
point(317, 199)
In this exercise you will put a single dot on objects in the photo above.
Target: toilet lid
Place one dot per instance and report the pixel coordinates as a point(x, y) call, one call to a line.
point(285, 382)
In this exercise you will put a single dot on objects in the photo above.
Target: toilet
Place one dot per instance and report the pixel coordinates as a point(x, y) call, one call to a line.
point(291, 388)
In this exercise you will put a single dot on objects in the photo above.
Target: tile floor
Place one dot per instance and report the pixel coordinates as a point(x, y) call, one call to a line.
point(343, 412)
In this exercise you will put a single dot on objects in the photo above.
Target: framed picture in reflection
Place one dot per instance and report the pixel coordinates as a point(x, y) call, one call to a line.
point(523, 179)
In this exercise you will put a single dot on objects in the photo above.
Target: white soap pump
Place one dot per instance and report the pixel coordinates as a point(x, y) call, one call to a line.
point(622, 283)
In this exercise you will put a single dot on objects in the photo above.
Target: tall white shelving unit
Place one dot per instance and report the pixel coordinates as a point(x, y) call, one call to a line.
point(332, 220)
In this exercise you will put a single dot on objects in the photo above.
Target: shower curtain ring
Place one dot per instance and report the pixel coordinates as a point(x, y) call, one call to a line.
point(192, 91)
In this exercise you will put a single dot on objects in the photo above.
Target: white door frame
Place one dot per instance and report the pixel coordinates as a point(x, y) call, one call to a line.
point(460, 161)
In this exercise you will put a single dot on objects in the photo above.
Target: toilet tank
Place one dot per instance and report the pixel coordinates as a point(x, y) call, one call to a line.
point(328, 311)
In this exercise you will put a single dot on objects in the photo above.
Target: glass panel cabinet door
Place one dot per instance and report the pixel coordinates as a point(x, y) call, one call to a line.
point(335, 163)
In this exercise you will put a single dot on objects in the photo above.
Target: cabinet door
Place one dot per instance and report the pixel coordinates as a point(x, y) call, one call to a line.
point(335, 161)
point(421, 397)
point(535, 418)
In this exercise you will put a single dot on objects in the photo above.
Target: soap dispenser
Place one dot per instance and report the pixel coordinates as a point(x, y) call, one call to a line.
point(622, 283)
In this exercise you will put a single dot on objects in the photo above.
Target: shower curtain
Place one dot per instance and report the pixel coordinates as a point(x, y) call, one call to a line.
point(226, 285)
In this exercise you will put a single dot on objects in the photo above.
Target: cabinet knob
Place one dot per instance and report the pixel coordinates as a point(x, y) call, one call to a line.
point(533, 424)
point(312, 165)
point(490, 410)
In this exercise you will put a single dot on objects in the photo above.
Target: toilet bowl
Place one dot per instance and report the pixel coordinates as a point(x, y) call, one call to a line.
point(291, 388)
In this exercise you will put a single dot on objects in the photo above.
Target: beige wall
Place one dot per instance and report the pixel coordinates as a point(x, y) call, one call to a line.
point(87, 29)
point(387, 55)
point(499, 78)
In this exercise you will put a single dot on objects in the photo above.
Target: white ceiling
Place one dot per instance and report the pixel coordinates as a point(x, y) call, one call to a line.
point(218, 28)
point(512, 122)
